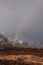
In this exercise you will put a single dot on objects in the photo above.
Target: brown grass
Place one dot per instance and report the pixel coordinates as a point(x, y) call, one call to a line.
point(22, 55)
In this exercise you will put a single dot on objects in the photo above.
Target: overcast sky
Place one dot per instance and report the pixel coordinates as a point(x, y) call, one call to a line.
point(22, 19)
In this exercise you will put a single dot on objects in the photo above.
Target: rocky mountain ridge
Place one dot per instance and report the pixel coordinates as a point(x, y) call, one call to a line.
point(5, 41)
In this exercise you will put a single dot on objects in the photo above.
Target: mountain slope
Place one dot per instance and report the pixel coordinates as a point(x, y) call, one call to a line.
point(5, 41)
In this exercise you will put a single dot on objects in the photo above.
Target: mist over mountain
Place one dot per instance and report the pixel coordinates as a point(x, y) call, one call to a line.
point(6, 41)
point(37, 44)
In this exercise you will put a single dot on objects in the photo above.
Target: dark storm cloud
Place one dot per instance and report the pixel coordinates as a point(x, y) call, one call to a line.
point(25, 16)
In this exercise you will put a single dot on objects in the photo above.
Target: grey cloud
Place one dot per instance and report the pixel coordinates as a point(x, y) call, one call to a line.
point(23, 18)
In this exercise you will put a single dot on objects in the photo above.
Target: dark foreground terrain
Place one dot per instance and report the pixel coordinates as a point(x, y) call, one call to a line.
point(21, 56)
point(17, 62)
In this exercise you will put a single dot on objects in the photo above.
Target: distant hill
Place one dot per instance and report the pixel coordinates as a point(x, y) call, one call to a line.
point(37, 44)
point(6, 42)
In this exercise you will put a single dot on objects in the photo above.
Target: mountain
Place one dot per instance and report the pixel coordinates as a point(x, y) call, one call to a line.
point(41, 44)
point(5, 41)
point(20, 43)
point(37, 44)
